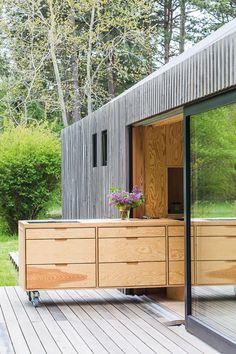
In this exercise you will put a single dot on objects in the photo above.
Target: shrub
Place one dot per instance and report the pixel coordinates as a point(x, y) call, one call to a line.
point(29, 172)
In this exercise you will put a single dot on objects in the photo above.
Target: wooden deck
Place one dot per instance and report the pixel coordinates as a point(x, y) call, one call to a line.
point(216, 306)
point(89, 321)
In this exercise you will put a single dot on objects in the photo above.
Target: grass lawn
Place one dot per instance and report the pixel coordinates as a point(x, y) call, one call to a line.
point(8, 274)
point(8, 243)
point(214, 210)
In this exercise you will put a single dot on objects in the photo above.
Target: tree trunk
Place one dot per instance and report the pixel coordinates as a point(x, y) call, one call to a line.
point(110, 77)
point(182, 33)
point(76, 110)
point(168, 28)
point(52, 38)
point(89, 69)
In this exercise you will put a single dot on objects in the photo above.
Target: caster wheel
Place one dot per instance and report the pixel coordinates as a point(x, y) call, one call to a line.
point(34, 298)
point(29, 295)
point(35, 302)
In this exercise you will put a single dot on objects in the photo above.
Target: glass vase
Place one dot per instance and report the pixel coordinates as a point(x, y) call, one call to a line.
point(124, 214)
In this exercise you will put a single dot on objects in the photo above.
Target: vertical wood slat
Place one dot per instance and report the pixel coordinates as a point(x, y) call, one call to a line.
point(207, 68)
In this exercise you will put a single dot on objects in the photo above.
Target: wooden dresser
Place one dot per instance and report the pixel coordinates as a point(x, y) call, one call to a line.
point(101, 253)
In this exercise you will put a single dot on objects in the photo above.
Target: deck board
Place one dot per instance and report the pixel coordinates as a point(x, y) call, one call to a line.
point(90, 321)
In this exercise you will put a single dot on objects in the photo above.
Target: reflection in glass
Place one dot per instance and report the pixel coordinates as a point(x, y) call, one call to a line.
point(213, 218)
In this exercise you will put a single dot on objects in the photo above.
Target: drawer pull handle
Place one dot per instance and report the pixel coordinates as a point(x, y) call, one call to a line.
point(134, 262)
point(61, 264)
point(131, 238)
point(60, 228)
point(60, 239)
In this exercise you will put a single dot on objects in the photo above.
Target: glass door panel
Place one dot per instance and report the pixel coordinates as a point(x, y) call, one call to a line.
point(213, 218)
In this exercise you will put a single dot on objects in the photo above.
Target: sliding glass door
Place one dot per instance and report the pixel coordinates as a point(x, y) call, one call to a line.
point(210, 181)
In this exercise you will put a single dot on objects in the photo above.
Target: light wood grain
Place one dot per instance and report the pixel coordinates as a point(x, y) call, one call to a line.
point(60, 232)
point(174, 119)
point(174, 144)
point(60, 251)
point(21, 245)
point(132, 249)
point(215, 272)
point(155, 173)
point(177, 231)
point(220, 230)
point(216, 248)
point(132, 274)
point(60, 276)
point(138, 165)
point(131, 231)
point(175, 293)
point(176, 272)
point(176, 248)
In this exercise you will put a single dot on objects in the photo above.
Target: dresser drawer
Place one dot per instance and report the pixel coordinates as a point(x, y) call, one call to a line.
point(176, 273)
point(132, 249)
point(216, 272)
point(132, 274)
point(178, 231)
point(60, 251)
point(131, 231)
point(226, 230)
point(216, 248)
point(60, 276)
point(60, 233)
point(176, 248)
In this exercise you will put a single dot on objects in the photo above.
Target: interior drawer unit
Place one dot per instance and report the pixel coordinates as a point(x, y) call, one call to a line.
point(132, 249)
point(216, 230)
point(177, 271)
point(60, 276)
point(131, 231)
point(132, 274)
point(178, 231)
point(216, 248)
point(60, 251)
point(215, 272)
point(80, 232)
point(176, 248)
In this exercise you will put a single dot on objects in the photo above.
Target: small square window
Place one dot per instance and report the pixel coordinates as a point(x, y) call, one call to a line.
point(104, 148)
point(94, 147)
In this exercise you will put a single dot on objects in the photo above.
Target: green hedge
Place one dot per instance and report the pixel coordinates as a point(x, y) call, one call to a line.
point(29, 172)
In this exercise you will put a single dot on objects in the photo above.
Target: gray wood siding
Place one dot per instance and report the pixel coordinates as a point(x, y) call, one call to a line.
point(207, 68)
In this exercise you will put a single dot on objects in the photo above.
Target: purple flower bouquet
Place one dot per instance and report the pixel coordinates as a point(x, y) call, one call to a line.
point(125, 201)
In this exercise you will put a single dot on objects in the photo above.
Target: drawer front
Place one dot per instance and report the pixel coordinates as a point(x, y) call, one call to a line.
point(60, 233)
point(176, 273)
point(216, 230)
point(216, 248)
point(132, 249)
point(131, 231)
point(60, 276)
point(176, 248)
point(216, 272)
point(60, 251)
point(177, 231)
point(132, 274)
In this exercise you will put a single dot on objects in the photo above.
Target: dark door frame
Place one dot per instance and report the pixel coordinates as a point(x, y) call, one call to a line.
point(200, 329)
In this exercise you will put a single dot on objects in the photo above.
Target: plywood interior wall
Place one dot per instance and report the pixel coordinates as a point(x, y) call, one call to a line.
point(155, 148)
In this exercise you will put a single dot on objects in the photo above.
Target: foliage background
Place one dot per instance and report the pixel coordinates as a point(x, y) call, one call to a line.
point(29, 172)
